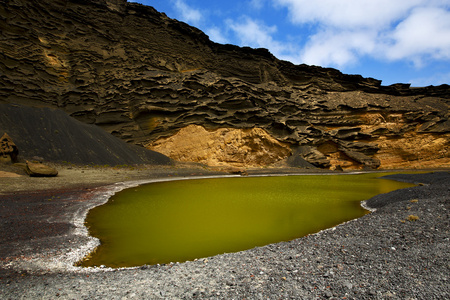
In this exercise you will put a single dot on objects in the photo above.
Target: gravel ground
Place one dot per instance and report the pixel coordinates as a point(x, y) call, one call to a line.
point(383, 255)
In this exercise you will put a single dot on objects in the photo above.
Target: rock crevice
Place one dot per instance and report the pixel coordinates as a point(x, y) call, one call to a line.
point(144, 77)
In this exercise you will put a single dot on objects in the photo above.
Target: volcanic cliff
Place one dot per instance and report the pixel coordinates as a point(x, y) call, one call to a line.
point(162, 84)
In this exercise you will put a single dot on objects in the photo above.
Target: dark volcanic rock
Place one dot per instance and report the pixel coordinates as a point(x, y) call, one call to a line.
point(430, 185)
point(53, 135)
point(381, 255)
point(363, 159)
point(142, 76)
point(312, 156)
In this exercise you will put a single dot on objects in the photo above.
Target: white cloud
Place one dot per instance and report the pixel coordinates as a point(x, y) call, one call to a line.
point(341, 32)
point(216, 35)
point(424, 34)
point(188, 14)
point(252, 32)
point(347, 13)
point(256, 34)
point(338, 48)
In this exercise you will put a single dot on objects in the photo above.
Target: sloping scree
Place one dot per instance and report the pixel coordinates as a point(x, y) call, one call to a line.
point(142, 76)
point(382, 255)
point(55, 136)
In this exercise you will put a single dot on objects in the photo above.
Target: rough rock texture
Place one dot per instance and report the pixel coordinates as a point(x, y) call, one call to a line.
point(238, 147)
point(142, 77)
point(8, 149)
point(40, 170)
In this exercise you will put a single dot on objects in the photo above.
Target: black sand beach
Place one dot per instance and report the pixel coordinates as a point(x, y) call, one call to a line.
point(386, 254)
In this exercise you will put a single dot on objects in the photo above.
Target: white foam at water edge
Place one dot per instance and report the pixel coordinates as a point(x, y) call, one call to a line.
point(84, 243)
point(366, 207)
point(100, 196)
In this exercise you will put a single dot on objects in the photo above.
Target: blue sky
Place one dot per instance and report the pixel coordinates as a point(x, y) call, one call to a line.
point(406, 41)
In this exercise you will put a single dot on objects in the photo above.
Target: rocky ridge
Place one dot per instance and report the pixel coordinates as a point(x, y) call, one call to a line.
point(145, 77)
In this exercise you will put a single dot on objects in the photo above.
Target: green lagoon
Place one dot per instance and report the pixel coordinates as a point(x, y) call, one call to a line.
point(176, 221)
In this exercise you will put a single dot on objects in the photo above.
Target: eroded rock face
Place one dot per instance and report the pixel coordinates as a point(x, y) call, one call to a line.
point(224, 146)
point(8, 150)
point(414, 150)
point(142, 77)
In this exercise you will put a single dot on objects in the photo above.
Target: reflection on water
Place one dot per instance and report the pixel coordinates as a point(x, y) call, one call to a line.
point(183, 220)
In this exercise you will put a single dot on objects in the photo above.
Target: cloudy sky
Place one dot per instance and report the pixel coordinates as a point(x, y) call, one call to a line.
point(405, 41)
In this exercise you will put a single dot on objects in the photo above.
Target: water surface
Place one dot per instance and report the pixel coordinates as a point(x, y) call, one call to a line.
point(182, 220)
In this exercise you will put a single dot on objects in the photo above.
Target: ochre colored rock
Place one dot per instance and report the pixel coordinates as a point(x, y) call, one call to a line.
point(9, 174)
point(145, 78)
point(8, 150)
point(40, 170)
point(221, 147)
point(414, 151)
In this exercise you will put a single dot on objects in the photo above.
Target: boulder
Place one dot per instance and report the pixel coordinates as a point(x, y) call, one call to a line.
point(366, 161)
point(8, 150)
point(313, 156)
point(238, 171)
point(40, 170)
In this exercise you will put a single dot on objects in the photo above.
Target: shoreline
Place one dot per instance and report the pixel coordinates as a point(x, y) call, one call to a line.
point(15, 180)
point(101, 195)
point(86, 197)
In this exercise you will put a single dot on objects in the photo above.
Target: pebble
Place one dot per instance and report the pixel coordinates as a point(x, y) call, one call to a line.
point(356, 260)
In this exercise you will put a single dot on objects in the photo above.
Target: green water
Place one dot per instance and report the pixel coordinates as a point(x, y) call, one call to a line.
point(183, 220)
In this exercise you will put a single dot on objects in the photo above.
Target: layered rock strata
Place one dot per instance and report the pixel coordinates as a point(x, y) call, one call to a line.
point(144, 78)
